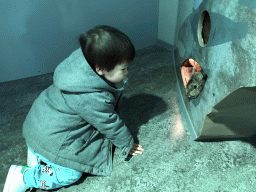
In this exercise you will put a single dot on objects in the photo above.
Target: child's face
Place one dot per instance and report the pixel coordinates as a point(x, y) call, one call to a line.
point(117, 75)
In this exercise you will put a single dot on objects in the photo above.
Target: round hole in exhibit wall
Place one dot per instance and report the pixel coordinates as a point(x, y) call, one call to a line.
point(204, 28)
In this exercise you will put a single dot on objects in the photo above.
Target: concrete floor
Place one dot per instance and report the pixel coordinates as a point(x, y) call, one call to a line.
point(151, 109)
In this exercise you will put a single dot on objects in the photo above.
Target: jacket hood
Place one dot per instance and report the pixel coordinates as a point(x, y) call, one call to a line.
point(75, 74)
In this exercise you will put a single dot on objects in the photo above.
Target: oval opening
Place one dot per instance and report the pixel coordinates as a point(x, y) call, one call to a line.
point(204, 28)
point(193, 77)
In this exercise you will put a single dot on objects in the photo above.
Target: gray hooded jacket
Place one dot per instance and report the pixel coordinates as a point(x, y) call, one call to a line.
point(73, 123)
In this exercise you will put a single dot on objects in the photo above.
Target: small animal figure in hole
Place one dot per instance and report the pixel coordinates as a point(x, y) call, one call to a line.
point(196, 84)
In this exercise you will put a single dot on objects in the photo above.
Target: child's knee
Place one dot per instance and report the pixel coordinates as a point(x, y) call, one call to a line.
point(77, 176)
point(68, 177)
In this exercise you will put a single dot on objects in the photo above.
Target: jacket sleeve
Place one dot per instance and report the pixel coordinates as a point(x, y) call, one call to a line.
point(98, 110)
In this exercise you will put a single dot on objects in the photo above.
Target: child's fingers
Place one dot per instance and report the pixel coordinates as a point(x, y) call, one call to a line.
point(135, 152)
point(137, 146)
point(136, 149)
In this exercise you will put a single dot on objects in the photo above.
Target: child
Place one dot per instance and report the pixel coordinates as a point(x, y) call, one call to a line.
point(72, 125)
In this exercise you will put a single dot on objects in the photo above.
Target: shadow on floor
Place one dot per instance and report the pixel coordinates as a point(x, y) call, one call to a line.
point(250, 140)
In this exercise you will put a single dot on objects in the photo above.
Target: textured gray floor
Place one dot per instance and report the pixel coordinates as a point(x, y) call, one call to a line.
point(171, 161)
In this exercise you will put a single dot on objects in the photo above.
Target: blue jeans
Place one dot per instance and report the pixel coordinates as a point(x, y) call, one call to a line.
point(48, 175)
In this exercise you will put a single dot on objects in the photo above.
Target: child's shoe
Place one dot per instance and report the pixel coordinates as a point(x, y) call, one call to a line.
point(14, 181)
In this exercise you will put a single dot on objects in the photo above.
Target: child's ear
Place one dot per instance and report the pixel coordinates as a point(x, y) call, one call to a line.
point(99, 71)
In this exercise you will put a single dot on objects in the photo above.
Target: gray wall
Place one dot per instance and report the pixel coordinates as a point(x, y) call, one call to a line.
point(37, 35)
point(168, 10)
point(228, 59)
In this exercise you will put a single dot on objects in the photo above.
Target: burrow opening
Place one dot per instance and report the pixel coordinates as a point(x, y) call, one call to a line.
point(193, 77)
point(204, 28)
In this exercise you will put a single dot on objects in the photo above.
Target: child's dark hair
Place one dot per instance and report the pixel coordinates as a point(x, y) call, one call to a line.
point(105, 47)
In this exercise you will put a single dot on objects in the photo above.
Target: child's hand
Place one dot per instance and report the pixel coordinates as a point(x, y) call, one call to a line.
point(136, 149)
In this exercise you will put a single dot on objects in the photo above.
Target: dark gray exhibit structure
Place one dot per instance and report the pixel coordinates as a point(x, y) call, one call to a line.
point(215, 68)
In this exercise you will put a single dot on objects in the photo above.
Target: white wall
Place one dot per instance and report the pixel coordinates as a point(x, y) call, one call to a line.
point(168, 10)
point(37, 35)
